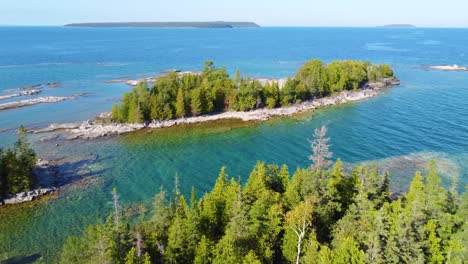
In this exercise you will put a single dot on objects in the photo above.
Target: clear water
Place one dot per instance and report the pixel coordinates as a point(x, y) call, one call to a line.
point(425, 118)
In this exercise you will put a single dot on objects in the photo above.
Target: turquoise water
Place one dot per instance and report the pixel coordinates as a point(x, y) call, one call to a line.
point(425, 118)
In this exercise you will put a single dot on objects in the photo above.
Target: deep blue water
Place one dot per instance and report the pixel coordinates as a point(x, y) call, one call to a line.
point(424, 118)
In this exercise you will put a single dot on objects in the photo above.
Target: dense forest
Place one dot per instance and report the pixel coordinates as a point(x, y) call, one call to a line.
point(176, 96)
point(320, 214)
point(16, 167)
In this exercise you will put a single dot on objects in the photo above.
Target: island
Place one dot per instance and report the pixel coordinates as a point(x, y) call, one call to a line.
point(398, 26)
point(212, 24)
point(210, 95)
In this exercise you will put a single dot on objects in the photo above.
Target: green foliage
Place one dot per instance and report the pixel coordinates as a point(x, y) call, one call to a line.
point(180, 104)
point(213, 90)
point(16, 166)
point(317, 216)
point(348, 252)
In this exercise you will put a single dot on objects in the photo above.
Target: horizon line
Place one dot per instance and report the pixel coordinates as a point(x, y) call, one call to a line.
point(262, 26)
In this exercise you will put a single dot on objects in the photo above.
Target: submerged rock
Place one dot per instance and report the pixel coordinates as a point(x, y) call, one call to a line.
point(39, 100)
point(449, 68)
point(25, 93)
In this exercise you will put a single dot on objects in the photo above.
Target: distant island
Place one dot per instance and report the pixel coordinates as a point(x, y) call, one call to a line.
point(214, 24)
point(399, 26)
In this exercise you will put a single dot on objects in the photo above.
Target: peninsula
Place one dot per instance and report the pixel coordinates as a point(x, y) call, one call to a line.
point(203, 24)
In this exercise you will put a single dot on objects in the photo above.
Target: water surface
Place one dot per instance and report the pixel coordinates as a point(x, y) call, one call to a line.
point(425, 118)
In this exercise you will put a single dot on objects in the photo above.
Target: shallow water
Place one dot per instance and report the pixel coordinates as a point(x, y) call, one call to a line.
point(423, 119)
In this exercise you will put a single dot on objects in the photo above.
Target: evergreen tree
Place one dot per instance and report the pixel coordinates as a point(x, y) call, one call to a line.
point(348, 252)
point(204, 251)
point(180, 104)
point(196, 102)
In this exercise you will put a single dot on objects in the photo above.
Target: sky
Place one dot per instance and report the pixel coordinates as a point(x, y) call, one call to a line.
point(358, 13)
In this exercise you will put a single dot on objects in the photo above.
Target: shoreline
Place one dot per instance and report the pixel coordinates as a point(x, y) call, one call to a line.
point(449, 68)
point(39, 100)
point(43, 169)
point(25, 93)
point(93, 130)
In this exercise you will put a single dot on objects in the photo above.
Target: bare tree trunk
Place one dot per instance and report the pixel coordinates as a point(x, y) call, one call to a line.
point(299, 244)
point(115, 199)
point(139, 241)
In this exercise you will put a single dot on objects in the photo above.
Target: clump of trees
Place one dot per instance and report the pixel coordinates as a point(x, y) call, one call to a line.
point(176, 96)
point(16, 166)
point(318, 215)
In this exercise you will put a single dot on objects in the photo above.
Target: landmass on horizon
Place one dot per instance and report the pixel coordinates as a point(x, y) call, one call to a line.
point(398, 26)
point(202, 24)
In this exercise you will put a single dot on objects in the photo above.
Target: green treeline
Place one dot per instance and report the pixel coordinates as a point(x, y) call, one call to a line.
point(318, 215)
point(174, 96)
point(16, 167)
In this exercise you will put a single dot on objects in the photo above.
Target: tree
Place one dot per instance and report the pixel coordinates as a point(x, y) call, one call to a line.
point(213, 90)
point(116, 113)
point(17, 166)
point(318, 216)
point(251, 258)
point(299, 220)
point(204, 251)
point(320, 148)
point(180, 104)
point(348, 252)
point(435, 249)
point(196, 102)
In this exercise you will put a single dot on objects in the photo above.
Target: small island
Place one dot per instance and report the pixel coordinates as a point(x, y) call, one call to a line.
point(213, 24)
point(211, 95)
point(214, 91)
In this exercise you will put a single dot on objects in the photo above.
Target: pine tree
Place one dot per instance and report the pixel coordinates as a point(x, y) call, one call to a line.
point(348, 252)
point(116, 113)
point(180, 104)
point(196, 102)
point(204, 251)
point(251, 258)
point(435, 250)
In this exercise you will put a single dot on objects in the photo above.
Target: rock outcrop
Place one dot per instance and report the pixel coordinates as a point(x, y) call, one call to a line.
point(449, 68)
point(25, 93)
point(27, 196)
point(39, 100)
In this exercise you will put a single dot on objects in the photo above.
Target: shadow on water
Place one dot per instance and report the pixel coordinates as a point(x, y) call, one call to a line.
point(64, 171)
point(22, 260)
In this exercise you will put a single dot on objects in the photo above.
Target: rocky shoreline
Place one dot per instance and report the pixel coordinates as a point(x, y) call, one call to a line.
point(29, 196)
point(39, 100)
point(93, 130)
point(44, 168)
point(449, 68)
point(26, 93)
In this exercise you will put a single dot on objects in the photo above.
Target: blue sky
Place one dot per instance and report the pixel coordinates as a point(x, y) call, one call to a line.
point(425, 13)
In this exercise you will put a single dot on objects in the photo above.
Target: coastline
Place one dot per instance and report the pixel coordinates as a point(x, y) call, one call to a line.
point(25, 93)
point(94, 130)
point(44, 170)
point(39, 100)
point(449, 68)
